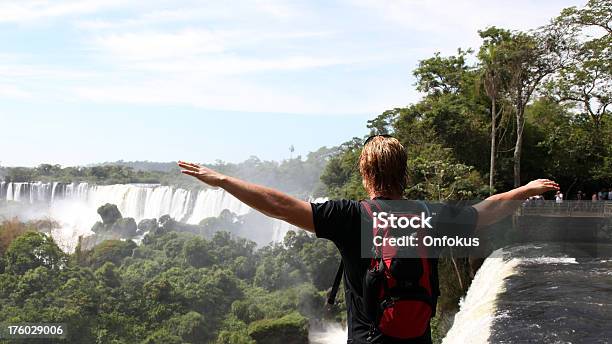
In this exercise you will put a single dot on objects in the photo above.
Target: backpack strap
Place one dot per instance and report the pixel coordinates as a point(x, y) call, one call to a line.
point(367, 205)
point(331, 296)
point(433, 272)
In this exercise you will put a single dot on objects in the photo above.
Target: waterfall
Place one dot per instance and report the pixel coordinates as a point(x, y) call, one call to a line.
point(477, 309)
point(74, 205)
point(140, 201)
point(3, 187)
point(280, 228)
point(538, 293)
point(328, 334)
point(210, 202)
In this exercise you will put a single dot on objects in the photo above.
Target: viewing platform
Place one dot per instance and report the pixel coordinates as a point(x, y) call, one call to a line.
point(566, 208)
point(586, 225)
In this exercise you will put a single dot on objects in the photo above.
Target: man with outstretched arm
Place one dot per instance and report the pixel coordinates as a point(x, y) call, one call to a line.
point(383, 166)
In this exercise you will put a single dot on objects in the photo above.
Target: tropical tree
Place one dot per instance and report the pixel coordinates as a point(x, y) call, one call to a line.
point(587, 80)
point(494, 79)
point(531, 57)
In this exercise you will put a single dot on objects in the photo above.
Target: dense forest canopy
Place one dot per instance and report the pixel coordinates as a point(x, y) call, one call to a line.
point(175, 287)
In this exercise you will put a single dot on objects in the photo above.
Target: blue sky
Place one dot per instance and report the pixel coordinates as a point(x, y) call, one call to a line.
point(84, 81)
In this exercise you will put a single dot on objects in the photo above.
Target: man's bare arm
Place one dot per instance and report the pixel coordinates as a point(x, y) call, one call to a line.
point(269, 201)
point(501, 205)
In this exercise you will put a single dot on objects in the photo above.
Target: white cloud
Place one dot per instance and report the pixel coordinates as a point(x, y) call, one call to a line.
point(218, 94)
point(29, 71)
point(203, 12)
point(161, 45)
point(234, 65)
point(137, 61)
point(441, 16)
point(12, 92)
point(30, 10)
point(250, 55)
point(459, 20)
point(206, 52)
point(279, 9)
point(154, 17)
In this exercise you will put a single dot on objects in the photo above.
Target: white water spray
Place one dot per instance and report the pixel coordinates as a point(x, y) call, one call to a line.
point(75, 205)
point(329, 334)
point(477, 309)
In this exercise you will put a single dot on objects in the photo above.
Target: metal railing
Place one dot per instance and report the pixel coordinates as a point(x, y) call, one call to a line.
point(567, 208)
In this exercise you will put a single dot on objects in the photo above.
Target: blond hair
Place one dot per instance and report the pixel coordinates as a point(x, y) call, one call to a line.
point(383, 166)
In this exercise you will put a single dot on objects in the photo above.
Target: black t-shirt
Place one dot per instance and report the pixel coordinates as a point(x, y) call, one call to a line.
point(340, 222)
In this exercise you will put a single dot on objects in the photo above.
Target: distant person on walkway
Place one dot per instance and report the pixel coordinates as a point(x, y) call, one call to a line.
point(539, 200)
point(594, 197)
point(383, 167)
point(558, 197)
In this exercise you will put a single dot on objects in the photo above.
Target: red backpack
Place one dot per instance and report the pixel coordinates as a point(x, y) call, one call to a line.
point(399, 294)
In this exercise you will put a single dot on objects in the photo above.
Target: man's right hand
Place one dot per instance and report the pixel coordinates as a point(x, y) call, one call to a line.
point(540, 186)
point(270, 202)
point(204, 174)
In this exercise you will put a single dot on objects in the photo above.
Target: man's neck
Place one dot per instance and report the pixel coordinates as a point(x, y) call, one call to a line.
point(386, 196)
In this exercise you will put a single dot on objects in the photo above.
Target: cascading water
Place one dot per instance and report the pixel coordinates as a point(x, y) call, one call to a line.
point(75, 205)
point(477, 309)
point(210, 202)
point(328, 334)
point(280, 228)
point(139, 201)
point(537, 293)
